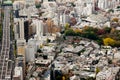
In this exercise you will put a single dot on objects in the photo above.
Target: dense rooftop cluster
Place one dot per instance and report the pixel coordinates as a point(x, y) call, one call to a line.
point(66, 39)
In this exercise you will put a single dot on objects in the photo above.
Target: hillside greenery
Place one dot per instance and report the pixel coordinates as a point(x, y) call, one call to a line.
point(105, 36)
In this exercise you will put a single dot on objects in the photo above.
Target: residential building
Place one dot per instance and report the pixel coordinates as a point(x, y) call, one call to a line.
point(18, 73)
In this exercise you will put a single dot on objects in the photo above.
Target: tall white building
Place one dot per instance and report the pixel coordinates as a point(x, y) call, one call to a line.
point(28, 12)
point(19, 33)
point(30, 52)
point(89, 6)
point(103, 4)
point(21, 28)
point(50, 6)
point(85, 7)
point(39, 28)
point(107, 4)
point(64, 18)
point(18, 5)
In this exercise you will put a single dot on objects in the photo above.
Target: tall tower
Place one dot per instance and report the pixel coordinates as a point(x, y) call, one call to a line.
point(21, 44)
point(21, 28)
point(39, 28)
point(21, 41)
point(101, 4)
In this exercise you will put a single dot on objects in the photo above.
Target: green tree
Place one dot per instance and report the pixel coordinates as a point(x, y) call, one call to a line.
point(90, 29)
point(67, 26)
point(109, 61)
point(117, 44)
point(90, 35)
point(39, 50)
point(107, 29)
point(100, 41)
point(97, 70)
point(110, 10)
point(70, 32)
point(118, 7)
point(38, 6)
point(109, 42)
point(73, 4)
point(48, 40)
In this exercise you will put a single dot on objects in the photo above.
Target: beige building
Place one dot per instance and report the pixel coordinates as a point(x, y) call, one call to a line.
point(21, 43)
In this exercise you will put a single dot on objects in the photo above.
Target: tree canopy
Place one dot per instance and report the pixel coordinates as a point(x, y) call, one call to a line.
point(105, 36)
point(109, 42)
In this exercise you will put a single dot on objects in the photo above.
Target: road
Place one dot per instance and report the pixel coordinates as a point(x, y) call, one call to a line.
point(5, 63)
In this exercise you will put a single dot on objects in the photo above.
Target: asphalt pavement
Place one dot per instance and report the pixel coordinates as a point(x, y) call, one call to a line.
point(5, 68)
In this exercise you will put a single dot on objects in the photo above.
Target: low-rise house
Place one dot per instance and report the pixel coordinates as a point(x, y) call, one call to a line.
point(78, 49)
point(43, 62)
point(110, 74)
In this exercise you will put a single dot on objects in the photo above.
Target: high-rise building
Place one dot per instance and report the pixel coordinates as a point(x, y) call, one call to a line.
point(107, 4)
point(102, 4)
point(26, 30)
point(21, 28)
point(18, 5)
point(21, 43)
point(39, 28)
point(30, 53)
point(86, 7)
point(64, 18)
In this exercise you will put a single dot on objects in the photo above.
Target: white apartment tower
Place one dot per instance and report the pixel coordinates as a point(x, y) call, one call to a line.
point(21, 28)
point(30, 53)
point(104, 4)
point(90, 6)
point(64, 18)
point(39, 28)
point(21, 42)
point(85, 7)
